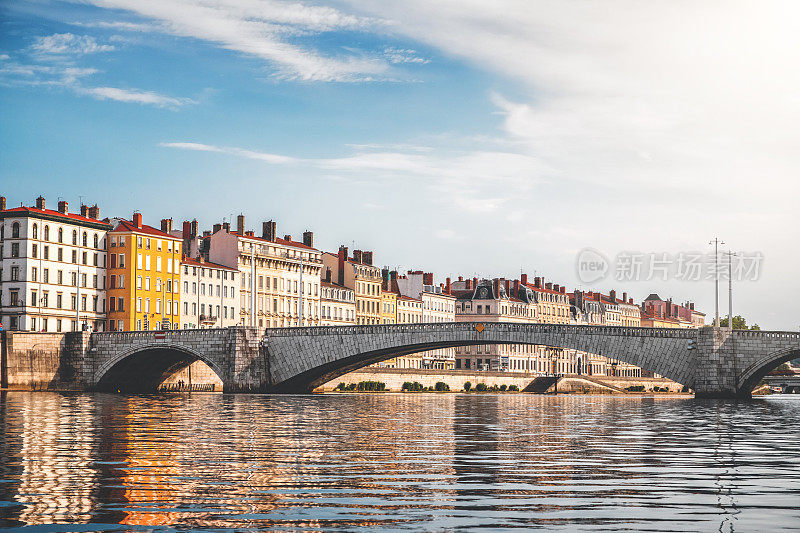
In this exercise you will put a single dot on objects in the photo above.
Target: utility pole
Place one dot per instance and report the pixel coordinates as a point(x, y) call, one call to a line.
point(730, 290)
point(716, 243)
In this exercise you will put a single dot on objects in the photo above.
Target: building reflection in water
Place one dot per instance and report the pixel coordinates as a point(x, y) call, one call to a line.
point(423, 461)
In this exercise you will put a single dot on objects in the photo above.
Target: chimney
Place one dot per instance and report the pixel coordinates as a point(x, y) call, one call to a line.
point(269, 230)
point(613, 295)
point(630, 301)
point(556, 288)
point(240, 224)
point(249, 234)
point(460, 278)
point(523, 278)
point(516, 287)
point(308, 238)
point(563, 290)
point(367, 257)
point(193, 231)
point(548, 285)
point(215, 229)
point(508, 287)
point(427, 278)
point(469, 285)
point(187, 229)
point(207, 233)
point(342, 259)
point(39, 202)
point(84, 210)
point(2, 203)
point(63, 206)
point(537, 282)
point(94, 212)
point(691, 306)
point(474, 283)
point(496, 286)
point(226, 226)
point(357, 256)
point(166, 225)
point(287, 237)
point(624, 296)
point(328, 274)
point(137, 217)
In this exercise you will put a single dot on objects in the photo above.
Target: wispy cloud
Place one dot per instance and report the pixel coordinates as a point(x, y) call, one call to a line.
point(136, 97)
point(239, 152)
point(261, 29)
point(403, 55)
point(63, 44)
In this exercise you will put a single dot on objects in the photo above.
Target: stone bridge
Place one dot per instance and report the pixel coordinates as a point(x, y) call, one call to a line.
point(713, 362)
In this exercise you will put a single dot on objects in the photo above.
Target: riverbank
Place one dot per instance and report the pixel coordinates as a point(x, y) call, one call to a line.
point(455, 379)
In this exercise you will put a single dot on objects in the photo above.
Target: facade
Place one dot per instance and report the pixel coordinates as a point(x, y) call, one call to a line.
point(388, 305)
point(438, 305)
point(144, 266)
point(337, 304)
point(209, 294)
point(658, 313)
point(279, 278)
point(358, 273)
point(53, 270)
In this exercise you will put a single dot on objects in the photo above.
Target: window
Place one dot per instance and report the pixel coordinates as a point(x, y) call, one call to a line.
point(47, 233)
point(15, 230)
point(47, 252)
point(96, 240)
point(60, 237)
point(15, 249)
point(35, 231)
point(74, 237)
point(85, 239)
point(14, 273)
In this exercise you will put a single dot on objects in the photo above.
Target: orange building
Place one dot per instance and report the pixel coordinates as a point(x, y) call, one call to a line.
point(143, 276)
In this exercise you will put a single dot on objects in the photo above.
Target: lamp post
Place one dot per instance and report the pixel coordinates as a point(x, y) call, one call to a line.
point(716, 243)
point(730, 289)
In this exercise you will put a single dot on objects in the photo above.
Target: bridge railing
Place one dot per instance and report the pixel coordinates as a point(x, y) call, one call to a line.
point(490, 327)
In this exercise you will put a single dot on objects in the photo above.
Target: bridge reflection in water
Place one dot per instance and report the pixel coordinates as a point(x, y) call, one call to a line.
point(397, 461)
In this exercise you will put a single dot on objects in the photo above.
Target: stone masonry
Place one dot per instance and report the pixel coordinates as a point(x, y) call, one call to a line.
point(713, 362)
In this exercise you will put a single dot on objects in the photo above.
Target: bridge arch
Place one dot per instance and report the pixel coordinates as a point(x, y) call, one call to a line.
point(754, 373)
point(144, 367)
point(344, 349)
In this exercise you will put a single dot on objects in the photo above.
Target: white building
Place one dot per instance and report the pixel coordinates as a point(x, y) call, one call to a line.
point(209, 294)
point(284, 275)
point(337, 305)
point(437, 306)
point(53, 273)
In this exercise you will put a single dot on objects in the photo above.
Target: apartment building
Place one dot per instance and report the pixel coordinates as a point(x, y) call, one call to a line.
point(209, 294)
point(337, 303)
point(53, 269)
point(358, 273)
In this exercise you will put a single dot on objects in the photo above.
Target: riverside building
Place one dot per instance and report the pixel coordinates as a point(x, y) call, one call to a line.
point(53, 270)
point(358, 273)
point(337, 303)
point(144, 265)
point(279, 278)
point(209, 294)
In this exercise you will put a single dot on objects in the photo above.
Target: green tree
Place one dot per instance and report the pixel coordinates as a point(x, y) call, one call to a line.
point(738, 323)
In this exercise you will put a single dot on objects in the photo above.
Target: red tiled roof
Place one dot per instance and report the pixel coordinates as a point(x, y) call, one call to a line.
point(334, 285)
point(50, 212)
point(128, 226)
point(284, 242)
point(186, 260)
point(542, 289)
point(401, 297)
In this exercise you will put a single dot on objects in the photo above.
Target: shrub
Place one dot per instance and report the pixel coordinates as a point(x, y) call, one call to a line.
point(513, 388)
point(481, 387)
point(341, 386)
point(503, 388)
point(467, 386)
point(635, 388)
point(494, 388)
point(406, 386)
point(412, 387)
point(441, 386)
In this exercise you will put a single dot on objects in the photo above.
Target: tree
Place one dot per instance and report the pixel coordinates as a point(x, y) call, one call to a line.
point(738, 323)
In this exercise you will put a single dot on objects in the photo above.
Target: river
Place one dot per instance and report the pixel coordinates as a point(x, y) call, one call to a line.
point(397, 461)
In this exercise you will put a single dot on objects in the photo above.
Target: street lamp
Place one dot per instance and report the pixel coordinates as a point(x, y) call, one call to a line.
point(716, 242)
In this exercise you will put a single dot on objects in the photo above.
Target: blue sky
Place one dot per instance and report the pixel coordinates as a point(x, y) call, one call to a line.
point(458, 137)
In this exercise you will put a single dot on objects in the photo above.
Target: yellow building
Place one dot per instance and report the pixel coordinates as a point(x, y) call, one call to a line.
point(388, 307)
point(143, 276)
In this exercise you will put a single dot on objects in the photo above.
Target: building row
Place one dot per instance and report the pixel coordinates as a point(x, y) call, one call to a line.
point(65, 271)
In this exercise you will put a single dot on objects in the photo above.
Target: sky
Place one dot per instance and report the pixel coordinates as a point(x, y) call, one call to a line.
point(460, 137)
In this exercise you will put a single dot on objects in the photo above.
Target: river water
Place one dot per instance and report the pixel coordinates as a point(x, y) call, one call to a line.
point(397, 461)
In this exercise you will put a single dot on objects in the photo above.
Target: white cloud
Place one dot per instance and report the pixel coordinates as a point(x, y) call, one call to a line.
point(135, 96)
point(68, 44)
point(260, 29)
point(239, 152)
point(403, 55)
